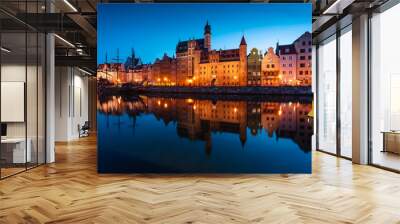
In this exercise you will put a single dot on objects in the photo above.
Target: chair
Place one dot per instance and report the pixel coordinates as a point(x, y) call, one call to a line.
point(84, 130)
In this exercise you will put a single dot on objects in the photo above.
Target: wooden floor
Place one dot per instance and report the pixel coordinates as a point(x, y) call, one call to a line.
point(71, 191)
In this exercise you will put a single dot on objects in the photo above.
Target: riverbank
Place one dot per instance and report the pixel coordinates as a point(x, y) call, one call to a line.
point(286, 90)
point(251, 94)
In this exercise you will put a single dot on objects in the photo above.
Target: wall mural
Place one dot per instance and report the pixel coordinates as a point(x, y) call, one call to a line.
point(204, 88)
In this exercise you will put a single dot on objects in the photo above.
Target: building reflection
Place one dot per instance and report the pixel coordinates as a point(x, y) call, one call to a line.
point(197, 119)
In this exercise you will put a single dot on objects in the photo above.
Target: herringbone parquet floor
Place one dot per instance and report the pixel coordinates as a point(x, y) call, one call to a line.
point(71, 191)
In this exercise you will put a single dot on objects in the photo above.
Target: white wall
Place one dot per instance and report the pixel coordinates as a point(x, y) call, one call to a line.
point(9, 73)
point(33, 126)
point(314, 89)
point(71, 102)
point(16, 73)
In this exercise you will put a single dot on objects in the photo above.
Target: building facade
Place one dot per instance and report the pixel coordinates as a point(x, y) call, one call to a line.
point(254, 61)
point(139, 74)
point(114, 73)
point(288, 64)
point(164, 71)
point(295, 61)
point(199, 65)
point(196, 64)
point(303, 48)
point(270, 69)
point(187, 60)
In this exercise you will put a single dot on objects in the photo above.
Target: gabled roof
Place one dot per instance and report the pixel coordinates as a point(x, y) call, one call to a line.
point(243, 41)
point(182, 46)
point(306, 34)
point(229, 55)
point(164, 59)
point(224, 55)
point(286, 49)
point(207, 28)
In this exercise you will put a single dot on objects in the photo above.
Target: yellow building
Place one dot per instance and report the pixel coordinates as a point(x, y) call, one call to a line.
point(270, 69)
point(198, 65)
point(224, 67)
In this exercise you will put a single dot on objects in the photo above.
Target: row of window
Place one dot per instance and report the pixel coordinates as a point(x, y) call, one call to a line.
point(302, 65)
point(304, 43)
point(254, 82)
point(258, 73)
point(216, 66)
point(289, 57)
point(225, 72)
point(305, 72)
point(304, 57)
point(284, 65)
point(254, 73)
point(304, 50)
point(270, 73)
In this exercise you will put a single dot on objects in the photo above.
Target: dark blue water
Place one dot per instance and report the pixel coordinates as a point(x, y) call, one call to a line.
point(191, 135)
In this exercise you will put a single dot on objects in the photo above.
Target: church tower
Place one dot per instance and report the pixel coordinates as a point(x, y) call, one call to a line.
point(243, 62)
point(207, 36)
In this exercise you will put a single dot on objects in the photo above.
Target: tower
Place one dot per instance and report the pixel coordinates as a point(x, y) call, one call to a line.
point(243, 62)
point(207, 36)
point(277, 48)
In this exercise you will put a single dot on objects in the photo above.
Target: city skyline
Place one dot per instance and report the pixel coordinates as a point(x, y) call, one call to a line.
point(152, 37)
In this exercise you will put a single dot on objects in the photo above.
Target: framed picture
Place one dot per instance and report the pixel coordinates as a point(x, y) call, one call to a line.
point(204, 88)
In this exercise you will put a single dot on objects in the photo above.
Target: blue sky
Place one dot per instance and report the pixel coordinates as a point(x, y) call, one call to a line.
point(152, 29)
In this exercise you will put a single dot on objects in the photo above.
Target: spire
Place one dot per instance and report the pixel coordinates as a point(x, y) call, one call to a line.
point(243, 41)
point(277, 48)
point(207, 28)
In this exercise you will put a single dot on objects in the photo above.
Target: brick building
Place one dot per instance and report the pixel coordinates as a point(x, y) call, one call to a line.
point(199, 65)
point(164, 71)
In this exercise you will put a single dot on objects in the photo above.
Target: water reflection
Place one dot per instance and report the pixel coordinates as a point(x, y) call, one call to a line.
point(246, 135)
